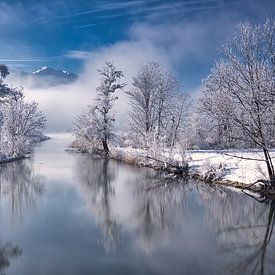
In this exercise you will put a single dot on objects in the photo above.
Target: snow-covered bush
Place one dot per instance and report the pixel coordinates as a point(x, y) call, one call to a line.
point(212, 172)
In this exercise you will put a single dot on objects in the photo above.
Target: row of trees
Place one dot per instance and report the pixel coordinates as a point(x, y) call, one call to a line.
point(21, 122)
point(236, 108)
point(157, 115)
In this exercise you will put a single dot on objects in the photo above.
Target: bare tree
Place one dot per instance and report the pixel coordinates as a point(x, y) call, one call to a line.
point(239, 92)
point(95, 125)
point(144, 98)
point(178, 120)
point(155, 110)
point(167, 91)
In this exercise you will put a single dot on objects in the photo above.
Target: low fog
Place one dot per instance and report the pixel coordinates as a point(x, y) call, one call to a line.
point(62, 103)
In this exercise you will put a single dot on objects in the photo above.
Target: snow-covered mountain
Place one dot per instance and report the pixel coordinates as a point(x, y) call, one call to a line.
point(47, 77)
point(50, 72)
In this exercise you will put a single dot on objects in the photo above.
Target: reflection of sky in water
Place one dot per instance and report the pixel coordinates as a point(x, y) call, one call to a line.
point(75, 215)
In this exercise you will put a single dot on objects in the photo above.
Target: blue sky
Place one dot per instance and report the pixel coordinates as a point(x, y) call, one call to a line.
point(63, 33)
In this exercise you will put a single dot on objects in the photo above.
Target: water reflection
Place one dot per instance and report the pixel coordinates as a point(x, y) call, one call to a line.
point(153, 209)
point(142, 203)
point(243, 230)
point(111, 218)
point(19, 185)
point(98, 176)
point(158, 200)
point(7, 252)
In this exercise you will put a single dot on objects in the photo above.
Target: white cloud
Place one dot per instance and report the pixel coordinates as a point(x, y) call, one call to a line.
point(76, 54)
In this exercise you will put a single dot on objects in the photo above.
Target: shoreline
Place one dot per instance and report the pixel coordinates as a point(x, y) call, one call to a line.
point(24, 156)
point(14, 159)
point(257, 189)
point(137, 159)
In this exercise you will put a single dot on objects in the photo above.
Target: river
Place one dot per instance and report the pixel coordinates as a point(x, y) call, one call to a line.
point(66, 213)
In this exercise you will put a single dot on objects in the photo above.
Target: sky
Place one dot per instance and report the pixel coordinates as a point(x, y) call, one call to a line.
point(67, 34)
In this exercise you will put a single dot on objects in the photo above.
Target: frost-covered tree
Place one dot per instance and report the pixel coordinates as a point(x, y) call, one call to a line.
point(239, 97)
point(24, 123)
point(144, 99)
point(4, 90)
point(94, 126)
point(21, 123)
point(157, 105)
point(178, 121)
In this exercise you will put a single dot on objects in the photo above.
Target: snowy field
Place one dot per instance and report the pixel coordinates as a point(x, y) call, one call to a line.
point(237, 165)
point(244, 166)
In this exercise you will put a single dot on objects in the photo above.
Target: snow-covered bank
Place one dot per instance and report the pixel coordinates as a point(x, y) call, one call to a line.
point(5, 158)
point(233, 168)
point(10, 159)
point(242, 166)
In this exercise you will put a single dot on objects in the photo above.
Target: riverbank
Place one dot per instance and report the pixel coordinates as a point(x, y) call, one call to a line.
point(231, 168)
point(7, 159)
point(11, 159)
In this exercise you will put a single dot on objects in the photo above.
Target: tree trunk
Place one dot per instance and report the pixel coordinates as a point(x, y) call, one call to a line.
point(270, 167)
point(105, 147)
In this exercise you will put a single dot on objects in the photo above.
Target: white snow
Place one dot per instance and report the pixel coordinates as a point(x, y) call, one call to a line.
point(40, 70)
point(234, 167)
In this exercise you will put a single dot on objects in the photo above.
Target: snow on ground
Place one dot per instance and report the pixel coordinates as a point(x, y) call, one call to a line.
point(234, 168)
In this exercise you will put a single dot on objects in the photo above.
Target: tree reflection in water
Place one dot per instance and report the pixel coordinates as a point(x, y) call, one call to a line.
point(20, 185)
point(7, 252)
point(97, 177)
point(244, 234)
point(149, 201)
point(152, 209)
point(158, 200)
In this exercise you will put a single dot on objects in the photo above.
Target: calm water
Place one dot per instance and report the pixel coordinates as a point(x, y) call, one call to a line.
point(64, 213)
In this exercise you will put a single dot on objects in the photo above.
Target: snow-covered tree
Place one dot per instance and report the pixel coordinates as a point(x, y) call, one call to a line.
point(21, 123)
point(178, 122)
point(94, 126)
point(239, 97)
point(144, 99)
point(157, 105)
point(4, 72)
point(24, 123)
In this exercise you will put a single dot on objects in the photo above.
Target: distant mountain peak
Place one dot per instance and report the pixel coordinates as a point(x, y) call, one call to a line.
point(41, 70)
point(47, 76)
